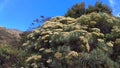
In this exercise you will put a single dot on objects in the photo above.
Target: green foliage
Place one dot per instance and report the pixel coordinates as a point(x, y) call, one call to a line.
point(11, 57)
point(79, 9)
point(24, 36)
point(96, 59)
point(76, 11)
point(99, 7)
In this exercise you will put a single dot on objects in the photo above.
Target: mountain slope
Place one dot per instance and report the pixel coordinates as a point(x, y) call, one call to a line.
point(9, 36)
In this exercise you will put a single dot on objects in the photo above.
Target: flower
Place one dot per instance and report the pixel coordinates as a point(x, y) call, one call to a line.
point(83, 39)
point(34, 65)
point(58, 55)
point(36, 31)
point(117, 41)
point(34, 57)
point(46, 32)
point(96, 30)
point(45, 37)
point(41, 49)
point(59, 30)
point(109, 21)
point(92, 23)
point(24, 44)
point(100, 40)
point(30, 35)
point(56, 33)
point(71, 55)
point(49, 60)
point(109, 44)
point(98, 34)
point(48, 51)
point(95, 16)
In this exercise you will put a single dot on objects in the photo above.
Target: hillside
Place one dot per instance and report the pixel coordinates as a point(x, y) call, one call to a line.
point(9, 36)
point(89, 41)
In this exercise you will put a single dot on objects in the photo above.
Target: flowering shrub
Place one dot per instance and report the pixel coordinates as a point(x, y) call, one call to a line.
point(64, 42)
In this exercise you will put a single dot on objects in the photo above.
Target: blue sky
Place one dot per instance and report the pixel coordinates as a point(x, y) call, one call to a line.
point(19, 14)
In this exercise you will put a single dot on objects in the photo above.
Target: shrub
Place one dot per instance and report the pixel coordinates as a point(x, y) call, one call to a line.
point(65, 42)
point(79, 9)
point(11, 57)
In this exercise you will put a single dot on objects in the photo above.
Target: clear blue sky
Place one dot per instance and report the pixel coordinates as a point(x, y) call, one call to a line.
point(18, 14)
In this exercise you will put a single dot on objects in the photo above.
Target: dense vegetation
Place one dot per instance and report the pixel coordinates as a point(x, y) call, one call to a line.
point(83, 38)
point(79, 9)
point(91, 41)
point(11, 57)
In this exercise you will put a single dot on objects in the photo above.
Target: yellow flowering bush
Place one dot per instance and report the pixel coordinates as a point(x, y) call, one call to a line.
point(33, 61)
point(61, 41)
